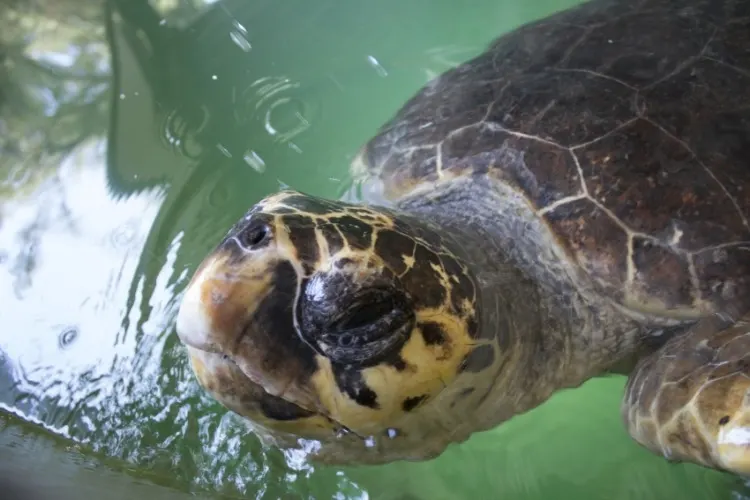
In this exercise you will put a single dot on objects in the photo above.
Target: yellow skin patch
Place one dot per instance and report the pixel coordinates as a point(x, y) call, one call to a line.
point(259, 319)
point(428, 370)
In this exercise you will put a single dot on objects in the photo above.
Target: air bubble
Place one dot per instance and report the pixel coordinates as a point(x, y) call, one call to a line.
point(392, 433)
point(370, 442)
point(67, 337)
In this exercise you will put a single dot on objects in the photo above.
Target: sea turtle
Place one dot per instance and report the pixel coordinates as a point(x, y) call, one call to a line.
point(573, 198)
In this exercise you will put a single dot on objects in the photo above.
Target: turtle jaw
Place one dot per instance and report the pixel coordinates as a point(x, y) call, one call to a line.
point(208, 321)
point(232, 314)
point(228, 384)
point(215, 330)
point(194, 323)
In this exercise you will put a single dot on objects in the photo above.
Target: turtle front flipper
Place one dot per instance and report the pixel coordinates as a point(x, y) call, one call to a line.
point(690, 400)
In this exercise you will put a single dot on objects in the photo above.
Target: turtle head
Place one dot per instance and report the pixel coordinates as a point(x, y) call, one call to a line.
point(333, 322)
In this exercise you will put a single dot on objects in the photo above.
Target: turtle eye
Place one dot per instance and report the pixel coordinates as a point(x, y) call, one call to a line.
point(255, 236)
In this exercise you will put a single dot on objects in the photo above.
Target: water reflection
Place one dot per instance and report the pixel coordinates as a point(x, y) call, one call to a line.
point(94, 241)
point(92, 256)
point(132, 135)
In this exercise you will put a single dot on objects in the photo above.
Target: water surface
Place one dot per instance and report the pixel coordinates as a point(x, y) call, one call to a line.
point(132, 135)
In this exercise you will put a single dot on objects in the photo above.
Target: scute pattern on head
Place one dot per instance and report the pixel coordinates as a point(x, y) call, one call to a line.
point(337, 257)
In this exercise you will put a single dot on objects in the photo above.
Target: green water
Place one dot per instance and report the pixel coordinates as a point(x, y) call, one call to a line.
point(132, 135)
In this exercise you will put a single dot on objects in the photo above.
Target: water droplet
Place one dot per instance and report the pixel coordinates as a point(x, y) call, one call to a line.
point(255, 161)
point(122, 96)
point(240, 27)
point(341, 432)
point(218, 196)
point(124, 234)
point(224, 151)
point(379, 69)
point(163, 22)
point(285, 118)
point(274, 99)
point(240, 41)
point(370, 442)
point(214, 77)
point(67, 337)
point(179, 134)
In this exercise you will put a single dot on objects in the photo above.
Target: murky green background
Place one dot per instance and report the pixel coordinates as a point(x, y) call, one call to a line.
point(132, 135)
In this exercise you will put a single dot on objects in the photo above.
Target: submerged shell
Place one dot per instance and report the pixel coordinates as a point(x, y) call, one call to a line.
point(626, 127)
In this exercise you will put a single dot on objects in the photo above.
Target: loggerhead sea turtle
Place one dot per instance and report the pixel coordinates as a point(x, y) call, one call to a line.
point(573, 198)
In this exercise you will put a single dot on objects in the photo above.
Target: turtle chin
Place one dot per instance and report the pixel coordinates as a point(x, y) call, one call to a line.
point(282, 424)
point(228, 384)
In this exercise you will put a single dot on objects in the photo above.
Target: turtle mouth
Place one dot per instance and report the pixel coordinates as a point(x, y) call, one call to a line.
point(218, 373)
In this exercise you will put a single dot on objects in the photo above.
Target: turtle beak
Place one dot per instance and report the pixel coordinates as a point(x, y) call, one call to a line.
point(240, 307)
point(205, 310)
point(193, 323)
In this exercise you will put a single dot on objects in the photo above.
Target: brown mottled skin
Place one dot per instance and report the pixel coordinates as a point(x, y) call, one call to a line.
point(575, 197)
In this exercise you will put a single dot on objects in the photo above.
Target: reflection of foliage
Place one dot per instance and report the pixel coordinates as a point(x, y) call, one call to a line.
point(54, 83)
point(181, 12)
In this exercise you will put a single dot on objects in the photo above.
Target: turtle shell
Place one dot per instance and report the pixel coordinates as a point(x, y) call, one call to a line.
point(624, 125)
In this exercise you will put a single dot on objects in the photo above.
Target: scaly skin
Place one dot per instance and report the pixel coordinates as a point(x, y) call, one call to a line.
point(576, 195)
point(691, 400)
point(273, 321)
